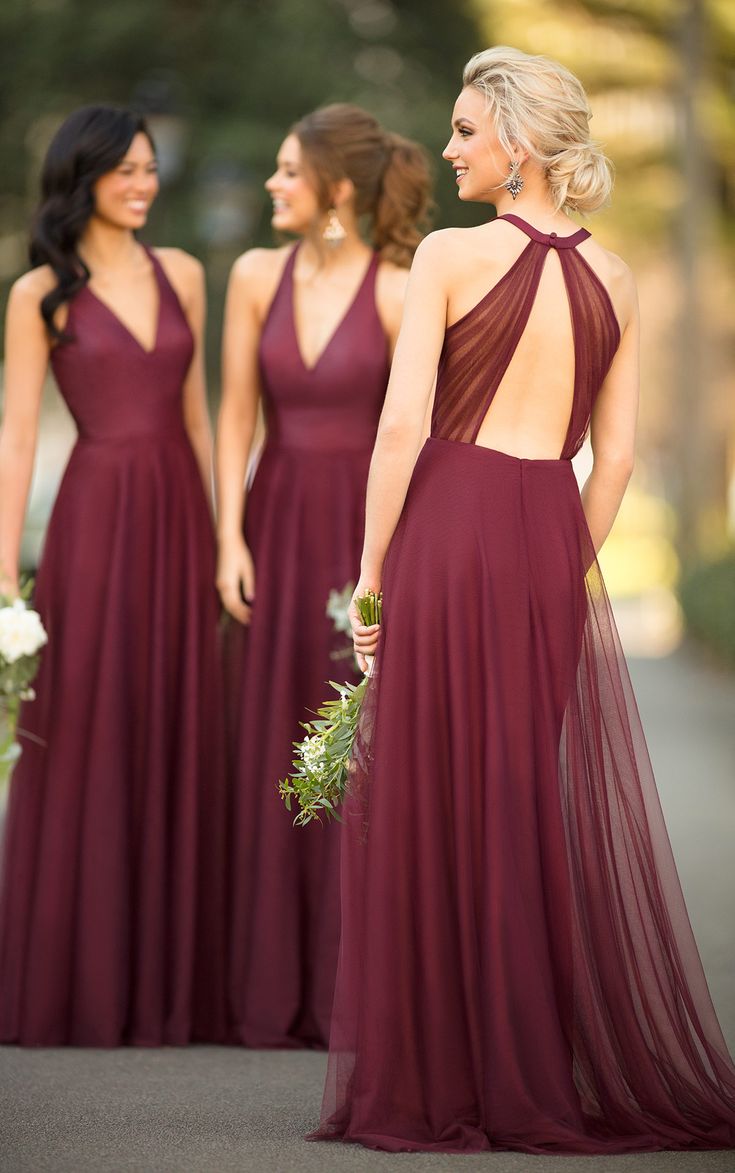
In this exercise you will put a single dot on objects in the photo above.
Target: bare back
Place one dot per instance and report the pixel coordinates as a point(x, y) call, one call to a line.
point(520, 370)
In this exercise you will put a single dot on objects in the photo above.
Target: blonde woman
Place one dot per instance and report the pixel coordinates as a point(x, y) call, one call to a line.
point(517, 970)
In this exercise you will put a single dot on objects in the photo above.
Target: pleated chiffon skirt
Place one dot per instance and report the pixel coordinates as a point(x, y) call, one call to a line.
point(112, 918)
point(517, 969)
point(304, 525)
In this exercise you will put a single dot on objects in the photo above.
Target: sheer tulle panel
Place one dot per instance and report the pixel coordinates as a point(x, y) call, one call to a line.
point(478, 348)
point(596, 339)
point(646, 1038)
point(516, 966)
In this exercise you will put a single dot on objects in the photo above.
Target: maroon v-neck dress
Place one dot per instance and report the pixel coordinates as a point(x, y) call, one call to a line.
point(517, 969)
point(112, 913)
point(304, 526)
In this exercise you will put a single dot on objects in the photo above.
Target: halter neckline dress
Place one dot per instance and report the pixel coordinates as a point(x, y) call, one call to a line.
point(517, 969)
point(304, 526)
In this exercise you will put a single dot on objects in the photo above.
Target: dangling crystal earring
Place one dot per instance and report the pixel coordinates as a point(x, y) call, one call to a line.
point(334, 231)
point(514, 182)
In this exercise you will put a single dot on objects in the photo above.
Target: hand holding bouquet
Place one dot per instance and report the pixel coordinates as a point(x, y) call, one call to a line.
point(318, 780)
point(21, 638)
point(365, 614)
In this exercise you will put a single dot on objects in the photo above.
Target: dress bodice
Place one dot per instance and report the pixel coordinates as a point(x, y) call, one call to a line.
point(334, 404)
point(114, 387)
point(480, 346)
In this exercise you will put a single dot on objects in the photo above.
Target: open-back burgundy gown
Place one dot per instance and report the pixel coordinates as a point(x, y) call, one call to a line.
point(304, 526)
point(112, 904)
point(517, 969)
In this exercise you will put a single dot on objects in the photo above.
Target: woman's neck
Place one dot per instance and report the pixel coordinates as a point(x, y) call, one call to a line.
point(104, 247)
point(534, 203)
point(324, 257)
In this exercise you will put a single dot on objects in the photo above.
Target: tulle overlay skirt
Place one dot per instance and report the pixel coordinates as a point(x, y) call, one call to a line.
point(304, 526)
point(517, 969)
point(112, 915)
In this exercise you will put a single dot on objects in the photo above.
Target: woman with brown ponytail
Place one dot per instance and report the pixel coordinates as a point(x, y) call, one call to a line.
point(310, 328)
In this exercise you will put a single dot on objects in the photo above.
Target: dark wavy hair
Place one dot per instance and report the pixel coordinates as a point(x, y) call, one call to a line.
point(88, 144)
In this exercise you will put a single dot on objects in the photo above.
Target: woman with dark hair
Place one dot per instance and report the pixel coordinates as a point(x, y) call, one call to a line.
point(310, 329)
point(111, 903)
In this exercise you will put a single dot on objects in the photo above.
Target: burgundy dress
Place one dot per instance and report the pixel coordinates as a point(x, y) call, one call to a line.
point(112, 914)
point(517, 969)
point(304, 527)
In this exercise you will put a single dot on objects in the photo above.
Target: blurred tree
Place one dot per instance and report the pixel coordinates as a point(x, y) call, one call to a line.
point(224, 81)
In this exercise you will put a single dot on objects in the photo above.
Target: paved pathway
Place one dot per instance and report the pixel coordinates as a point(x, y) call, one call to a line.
point(220, 1110)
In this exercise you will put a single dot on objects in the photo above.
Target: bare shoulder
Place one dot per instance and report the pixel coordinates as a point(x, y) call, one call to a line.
point(621, 274)
point(441, 254)
point(254, 278)
point(616, 276)
point(31, 288)
point(261, 264)
point(182, 269)
point(442, 243)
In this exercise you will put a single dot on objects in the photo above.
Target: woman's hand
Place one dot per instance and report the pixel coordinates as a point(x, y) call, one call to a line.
point(364, 639)
point(236, 579)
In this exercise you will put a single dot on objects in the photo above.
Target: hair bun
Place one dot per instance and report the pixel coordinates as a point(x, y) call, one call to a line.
point(538, 104)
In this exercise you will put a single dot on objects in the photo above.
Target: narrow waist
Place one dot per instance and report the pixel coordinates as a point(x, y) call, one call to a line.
point(481, 451)
point(157, 436)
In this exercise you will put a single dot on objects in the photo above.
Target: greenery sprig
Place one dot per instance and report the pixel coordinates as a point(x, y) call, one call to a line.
point(318, 781)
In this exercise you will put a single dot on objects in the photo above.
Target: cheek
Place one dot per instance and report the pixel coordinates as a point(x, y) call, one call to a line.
point(108, 190)
point(303, 194)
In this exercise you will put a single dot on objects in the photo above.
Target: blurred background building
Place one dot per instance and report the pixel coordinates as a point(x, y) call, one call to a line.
point(222, 83)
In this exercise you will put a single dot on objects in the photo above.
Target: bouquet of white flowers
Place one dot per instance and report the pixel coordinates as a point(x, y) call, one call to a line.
point(320, 769)
point(21, 638)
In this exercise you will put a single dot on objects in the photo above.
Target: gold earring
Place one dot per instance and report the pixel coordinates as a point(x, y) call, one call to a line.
point(514, 182)
point(334, 230)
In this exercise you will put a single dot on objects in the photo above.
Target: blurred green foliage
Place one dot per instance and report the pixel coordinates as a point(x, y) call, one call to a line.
point(236, 72)
point(707, 595)
point(224, 80)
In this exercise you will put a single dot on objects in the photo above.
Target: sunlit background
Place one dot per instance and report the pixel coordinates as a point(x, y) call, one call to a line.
point(223, 81)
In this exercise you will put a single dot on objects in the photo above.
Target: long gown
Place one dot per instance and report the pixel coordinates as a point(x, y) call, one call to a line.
point(517, 969)
point(112, 906)
point(304, 526)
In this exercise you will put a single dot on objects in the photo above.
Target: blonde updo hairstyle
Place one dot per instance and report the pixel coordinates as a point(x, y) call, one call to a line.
point(540, 106)
point(390, 175)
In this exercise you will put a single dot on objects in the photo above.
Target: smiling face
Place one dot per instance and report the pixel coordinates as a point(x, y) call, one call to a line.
point(123, 196)
point(480, 162)
point(295, 199)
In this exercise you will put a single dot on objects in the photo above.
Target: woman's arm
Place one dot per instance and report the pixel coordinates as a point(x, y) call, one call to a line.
point(236, 424)
point(26, 361)
point(402, 419)
point(187, 276)
point(401, 428)
point(613, 429)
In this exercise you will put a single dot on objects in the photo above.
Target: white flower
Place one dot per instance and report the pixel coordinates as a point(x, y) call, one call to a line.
point(21, 632)
point(338, 605)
